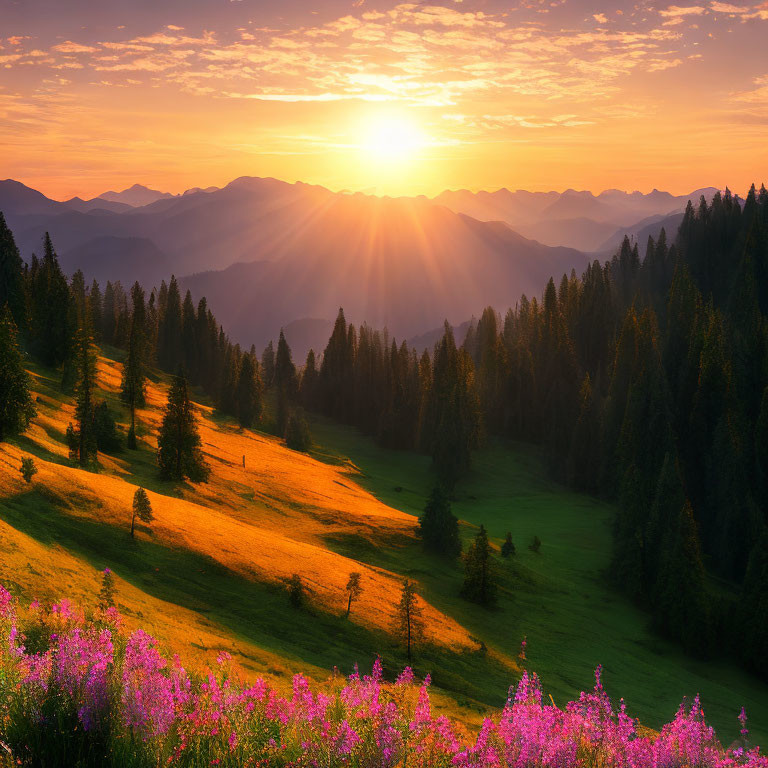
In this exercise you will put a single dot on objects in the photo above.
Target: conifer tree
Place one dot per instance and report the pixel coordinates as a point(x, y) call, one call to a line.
point(508, 547)
point(51, 320)
point(189, 341)
point(336, 373)
point(16, 407)
point(170, 352)
point(179, 453)
point(583, 467)
point(134, 369)
point(96, 305)
point(309, 382)
point(296, 591)
point(108, 315)
point(297, 433)
point(268, 365)
point(452, 419)
point(12, 291)
point(354, 589)
point(479, 571)
point(142, 509)
point(761, 452)
point(409, 625)
point(438, 526)
point(28, 469)
point(755, 608)
point(82, 436)
point(249, 392)
point(286, 383)
point(108, 592)
point(682, 611)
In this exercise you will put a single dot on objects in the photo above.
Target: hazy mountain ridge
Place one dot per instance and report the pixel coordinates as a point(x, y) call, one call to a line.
point(577, 218)
point(269, 254)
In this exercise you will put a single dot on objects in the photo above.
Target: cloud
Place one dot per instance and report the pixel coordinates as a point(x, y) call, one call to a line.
point(70, 47)
point(600, 18)
point(675, 11)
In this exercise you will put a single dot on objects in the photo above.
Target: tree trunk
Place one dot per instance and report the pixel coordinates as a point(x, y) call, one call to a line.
point(349, 604)
point(133, 522)
point(408, 621)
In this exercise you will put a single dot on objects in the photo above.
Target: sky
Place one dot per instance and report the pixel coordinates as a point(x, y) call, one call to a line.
point(384, 96)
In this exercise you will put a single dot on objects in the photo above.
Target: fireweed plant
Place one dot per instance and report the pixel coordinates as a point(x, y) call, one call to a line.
point(76, 691)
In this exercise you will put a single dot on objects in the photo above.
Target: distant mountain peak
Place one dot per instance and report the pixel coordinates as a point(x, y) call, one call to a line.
point(137, 196)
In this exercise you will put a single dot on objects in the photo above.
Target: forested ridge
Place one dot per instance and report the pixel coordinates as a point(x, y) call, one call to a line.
point(645, 382)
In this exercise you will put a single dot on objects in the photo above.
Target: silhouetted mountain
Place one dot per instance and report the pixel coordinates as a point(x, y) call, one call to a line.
point(268, 254)
point(574, 218)
point(584, 234)
point(135, 196)
point(502, 205)
point(402, 264)
point(18, 199)
point(96, 204)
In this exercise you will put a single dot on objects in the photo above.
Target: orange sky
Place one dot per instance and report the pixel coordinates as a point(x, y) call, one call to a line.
point(538, 95)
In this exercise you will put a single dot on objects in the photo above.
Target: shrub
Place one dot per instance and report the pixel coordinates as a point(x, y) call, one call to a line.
point(297, 434)
point(296, 591)
point(28, 468)
point(535, 545)
point(105, 429)
point(508, 547)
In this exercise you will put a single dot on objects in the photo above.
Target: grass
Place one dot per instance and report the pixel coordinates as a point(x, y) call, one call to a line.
point(559, 599)
point(209, 574)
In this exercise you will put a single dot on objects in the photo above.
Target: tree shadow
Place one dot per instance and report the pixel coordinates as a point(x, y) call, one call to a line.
point(255, 612)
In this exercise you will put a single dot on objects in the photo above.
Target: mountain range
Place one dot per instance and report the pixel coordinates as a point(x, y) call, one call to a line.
point(268, 254)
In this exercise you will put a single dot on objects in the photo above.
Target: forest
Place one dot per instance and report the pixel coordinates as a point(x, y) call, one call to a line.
point(644, 381)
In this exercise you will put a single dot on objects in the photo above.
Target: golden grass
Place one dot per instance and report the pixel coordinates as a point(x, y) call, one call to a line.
point(263, 522)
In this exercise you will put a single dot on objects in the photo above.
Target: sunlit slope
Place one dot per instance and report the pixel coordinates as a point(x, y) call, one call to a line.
point(253, 526)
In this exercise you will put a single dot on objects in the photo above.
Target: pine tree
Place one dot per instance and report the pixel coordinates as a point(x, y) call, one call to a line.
point(479, 571)
point(142, 509)
point(408, 625)
point(134, 370)
point(508, 547)
point(438, 526)
point(28, 469)
point(296, 591)
point(51, 320)
point(286, 383)
point(12, 291)
point(96, 304)
point(336, 371)
point(583, 467)
point(16, 407)
point(82, 436)
point(681, 606)
point(354, 589)
point(297, 434)
point(309, 383)
point(755, 608)
point(108, 592)
point(189, 341)
point(452, 419)
point(170, 352)
point(248, 392)
point(179, 453)
point(268, 365)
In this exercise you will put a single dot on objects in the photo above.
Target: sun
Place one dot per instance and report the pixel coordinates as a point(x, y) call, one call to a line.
point(391, 138)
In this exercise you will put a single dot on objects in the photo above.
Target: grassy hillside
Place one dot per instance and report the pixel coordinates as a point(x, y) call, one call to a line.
point(558, 598)
point(209, 574)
